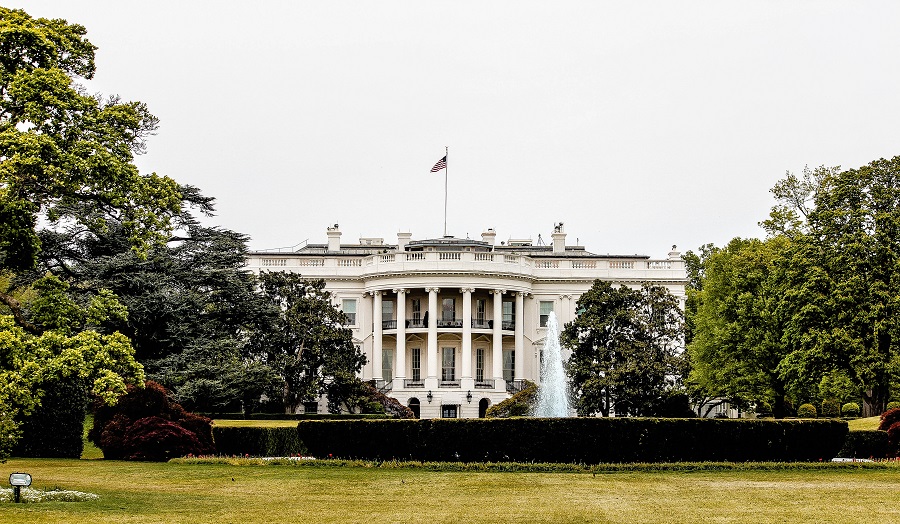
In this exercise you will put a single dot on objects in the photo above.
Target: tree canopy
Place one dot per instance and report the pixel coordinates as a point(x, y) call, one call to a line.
point(624, 346)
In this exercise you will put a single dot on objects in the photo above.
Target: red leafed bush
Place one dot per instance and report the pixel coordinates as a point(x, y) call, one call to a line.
point(158, 439)
point(147, 425)
point(889, 418)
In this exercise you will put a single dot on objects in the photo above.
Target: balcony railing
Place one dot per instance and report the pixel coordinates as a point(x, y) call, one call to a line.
point(449, 384)
point(514, 386)
point(413, 383)
point(482, 324)
point(415, 323)
point(384, 385)
point(449, 323)
point(389, 324)
point(486, 383)
point(509, 325)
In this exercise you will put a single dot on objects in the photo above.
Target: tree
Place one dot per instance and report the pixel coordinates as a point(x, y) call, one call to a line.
point(192, 304)
point(738, 340)
point(66, 157)
point(843, 276)
point(66, 160)
point(624, 349)
point(68, 350)
point(305, 341)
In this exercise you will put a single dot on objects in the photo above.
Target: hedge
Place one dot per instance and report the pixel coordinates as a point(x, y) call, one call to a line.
point(583, 440)
point(865, 444)
point(257, 442)
point(295, 416)
point(55, 429)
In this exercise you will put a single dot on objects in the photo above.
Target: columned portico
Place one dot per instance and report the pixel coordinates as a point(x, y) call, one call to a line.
point(431, 380)
point(467, 381)
point(497, 349)
point(520, 336)
point(377, 373)
point(400, 372)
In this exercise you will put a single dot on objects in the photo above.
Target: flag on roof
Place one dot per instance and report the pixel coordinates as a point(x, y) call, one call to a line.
point(441, 164)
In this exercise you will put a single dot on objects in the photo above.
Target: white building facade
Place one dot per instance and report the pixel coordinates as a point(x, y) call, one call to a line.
point(452, 326)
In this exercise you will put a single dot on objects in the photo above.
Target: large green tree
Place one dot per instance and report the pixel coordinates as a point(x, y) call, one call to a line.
point(738, 341)
point(192, 304)
point(306, 341)
point(625, 349)
point(843, 275)
point(66, 161)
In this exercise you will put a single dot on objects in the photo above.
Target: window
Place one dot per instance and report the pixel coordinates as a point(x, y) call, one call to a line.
point(348, 305)
point(387, 311)
point(509, 364)
point(480, 305)
point(311, 407)
point(479, 365)
point(387, 364)
point(448, 364)
point(416, 362)
point(449, 410)
point(509, 315)
point(416, 311)
point(448, 309)
point(546, 309)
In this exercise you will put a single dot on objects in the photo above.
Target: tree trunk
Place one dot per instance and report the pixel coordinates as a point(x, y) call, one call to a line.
point(875, 401)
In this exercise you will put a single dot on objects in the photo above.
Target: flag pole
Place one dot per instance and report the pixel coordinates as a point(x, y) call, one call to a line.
point(446, 154)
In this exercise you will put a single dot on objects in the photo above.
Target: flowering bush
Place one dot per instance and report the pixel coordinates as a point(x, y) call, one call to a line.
point(39, 495)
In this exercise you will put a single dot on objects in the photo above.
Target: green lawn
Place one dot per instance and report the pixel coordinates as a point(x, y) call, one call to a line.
point(859, 424)
point(256, 423)
point(196, 494)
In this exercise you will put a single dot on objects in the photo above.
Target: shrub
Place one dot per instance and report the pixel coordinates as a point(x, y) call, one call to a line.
point(257, 441)
point(889, 418)
point(893, 405)
point(147, 425)
point(806, 411)
point(519, 405)
point(893, 434)
point(850, 409)
point(831, 408)
point(55, 429)
point(566, 440)
point(865, 444)
point(157, 439)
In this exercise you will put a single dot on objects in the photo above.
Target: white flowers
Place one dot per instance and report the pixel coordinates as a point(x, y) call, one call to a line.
point(52, 495)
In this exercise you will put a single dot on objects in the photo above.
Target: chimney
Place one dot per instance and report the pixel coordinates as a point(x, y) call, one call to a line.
point(674, 254)
point(402, 240)
point(559, 238)
point(334, 238)
point(489, 236)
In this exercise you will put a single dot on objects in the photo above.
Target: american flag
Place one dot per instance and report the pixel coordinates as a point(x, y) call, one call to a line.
point(441, 164)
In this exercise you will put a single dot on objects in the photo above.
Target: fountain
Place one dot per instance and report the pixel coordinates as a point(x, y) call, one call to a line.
point(552, 400)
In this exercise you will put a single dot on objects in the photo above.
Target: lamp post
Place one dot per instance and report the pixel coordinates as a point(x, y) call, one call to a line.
point(17, 481)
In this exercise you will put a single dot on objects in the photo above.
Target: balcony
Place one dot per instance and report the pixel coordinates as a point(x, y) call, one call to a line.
point(514, 386)
point(485, 383)
point(449, 323)
point(384, 385)
point(448, 384)
point(413, 383)
point(388, 324)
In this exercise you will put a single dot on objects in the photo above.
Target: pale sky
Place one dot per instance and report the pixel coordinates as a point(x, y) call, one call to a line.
point(637, 124)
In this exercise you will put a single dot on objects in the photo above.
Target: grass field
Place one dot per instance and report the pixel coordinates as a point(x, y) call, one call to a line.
point(196, 494)
point(859, 424)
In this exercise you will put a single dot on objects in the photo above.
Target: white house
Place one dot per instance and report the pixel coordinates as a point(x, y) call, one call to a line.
point(452, 326)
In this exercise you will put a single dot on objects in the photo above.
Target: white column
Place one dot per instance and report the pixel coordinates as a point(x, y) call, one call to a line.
point(520, 338)
point(366, 328)
point(497, 350)
point(432, 333)
point(376, 336)
point(400, 372)
point(467, 336)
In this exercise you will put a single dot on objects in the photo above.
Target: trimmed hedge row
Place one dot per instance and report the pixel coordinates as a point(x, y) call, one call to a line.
point(584, 440)
point(865, 444)
point(257, 442)
point(295, 416)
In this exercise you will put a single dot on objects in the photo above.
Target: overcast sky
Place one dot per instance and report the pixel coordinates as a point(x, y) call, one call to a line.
point(637, 124)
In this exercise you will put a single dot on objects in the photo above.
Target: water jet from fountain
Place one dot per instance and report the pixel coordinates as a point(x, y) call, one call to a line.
point(552, 400)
